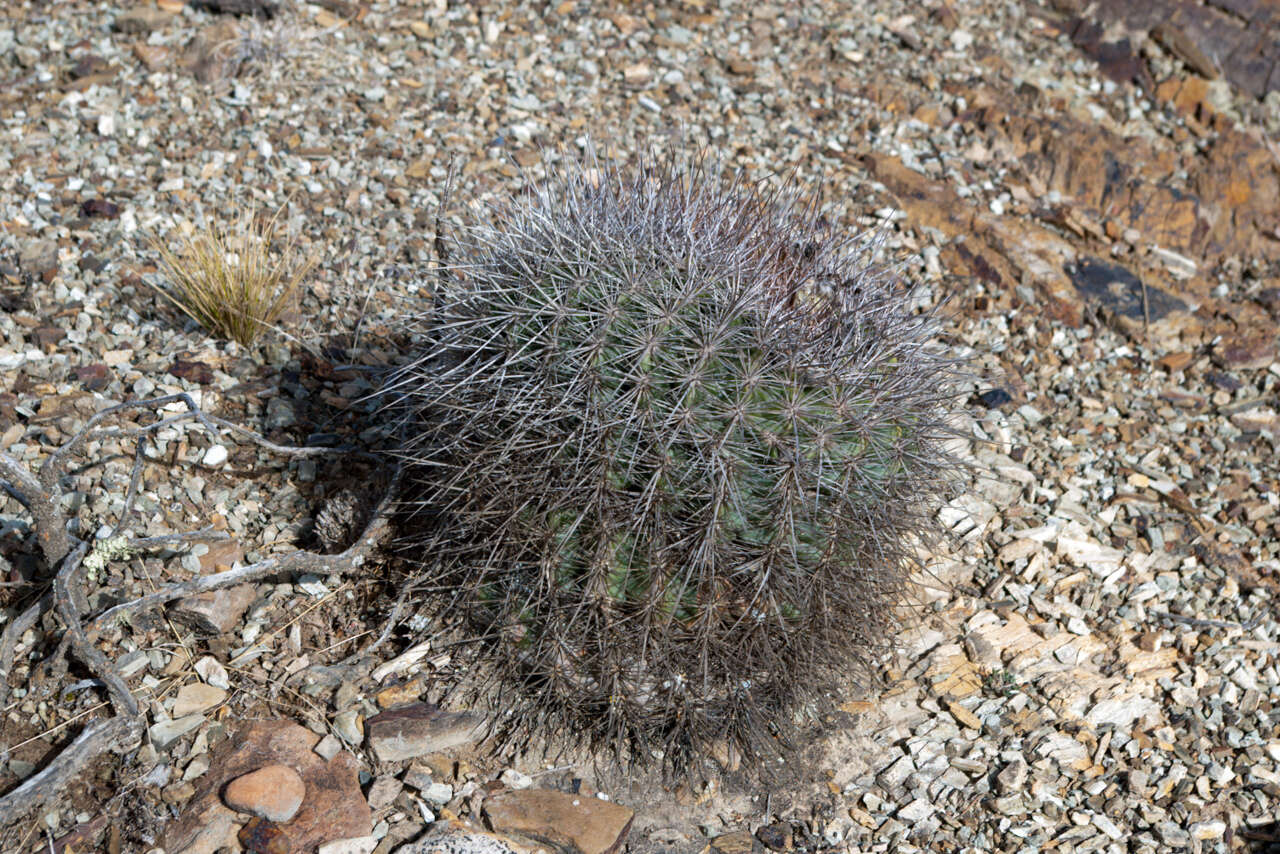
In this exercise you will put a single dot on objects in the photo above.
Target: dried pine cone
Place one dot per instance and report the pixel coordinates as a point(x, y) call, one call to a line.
point(341, 520)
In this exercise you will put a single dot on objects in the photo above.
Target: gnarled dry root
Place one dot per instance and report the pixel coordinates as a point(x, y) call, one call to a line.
point(66, 556)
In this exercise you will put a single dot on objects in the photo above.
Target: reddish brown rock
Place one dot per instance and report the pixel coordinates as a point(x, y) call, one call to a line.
point(273, 792)
point(1226, 204)
point(574, 824)
point(1223, 207)
point(1220, 38)
point(333, 807)
point(196, 372)
point(1004, 251)
point(1240, 176)
point(1101, 175)
point(47, 337)
point(215, 612)
point(1174, 362)
point(1247, 352)
point(94, 377)
point(263, 836)
point(153, 57)
point(221, 556)
point(1189, 96)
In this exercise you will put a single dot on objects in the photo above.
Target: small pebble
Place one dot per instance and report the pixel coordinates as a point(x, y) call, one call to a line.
point(274, 792)
point(328, 747)
point(383, 792)
point(348, 727)
point(354, 845)
point(438, 794)
point(513, 779)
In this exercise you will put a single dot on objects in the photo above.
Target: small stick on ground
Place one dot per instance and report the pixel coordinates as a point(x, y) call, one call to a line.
point(50, 524)
point(17, 627)
point(94, 740)
point(74, 562)
point(294, 562)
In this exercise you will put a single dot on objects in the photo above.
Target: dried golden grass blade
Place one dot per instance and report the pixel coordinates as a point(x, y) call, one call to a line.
point(234, 282)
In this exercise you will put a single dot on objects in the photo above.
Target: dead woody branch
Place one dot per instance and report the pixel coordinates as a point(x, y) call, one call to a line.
point(73, 563)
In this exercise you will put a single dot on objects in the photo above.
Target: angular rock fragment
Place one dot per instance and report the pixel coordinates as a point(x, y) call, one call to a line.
point(197, 698)
point(1012, 778)
point(421, 728)
point(333, 806)
point(273, 792)
point(165, 732)
point(215, 612)
point(574, 824)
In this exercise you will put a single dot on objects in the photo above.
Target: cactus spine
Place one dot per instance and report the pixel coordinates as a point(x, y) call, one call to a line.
point(673, 440)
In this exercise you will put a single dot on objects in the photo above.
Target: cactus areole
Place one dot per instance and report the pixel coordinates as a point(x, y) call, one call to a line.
point(673, 442)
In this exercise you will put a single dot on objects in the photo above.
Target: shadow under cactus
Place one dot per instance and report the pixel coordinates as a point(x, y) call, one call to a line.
point(671, 446)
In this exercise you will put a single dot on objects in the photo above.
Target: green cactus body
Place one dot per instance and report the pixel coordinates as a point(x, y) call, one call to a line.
point(678, 435)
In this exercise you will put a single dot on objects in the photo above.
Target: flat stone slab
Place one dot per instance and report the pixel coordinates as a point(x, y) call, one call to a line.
point(573, 824)
point(419, 729)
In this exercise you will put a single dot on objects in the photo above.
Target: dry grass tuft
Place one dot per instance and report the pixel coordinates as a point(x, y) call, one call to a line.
point(234, 282)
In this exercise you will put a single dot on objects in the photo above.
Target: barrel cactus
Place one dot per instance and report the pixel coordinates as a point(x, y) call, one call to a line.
point(672, 442)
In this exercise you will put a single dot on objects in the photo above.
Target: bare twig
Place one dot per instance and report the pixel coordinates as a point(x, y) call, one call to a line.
point(13, 632)
point(294, 562)
point(385, 635)
point(207, 534)
point(18, 626)
point(68, 600)
point(53, 467)
point(135, 479)
point(94, 740)
point(72, 559)
point(38, 494)
point(56, 728)
point(50, 523)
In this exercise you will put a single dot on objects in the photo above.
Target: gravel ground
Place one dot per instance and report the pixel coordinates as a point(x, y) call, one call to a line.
point(1096, 664)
